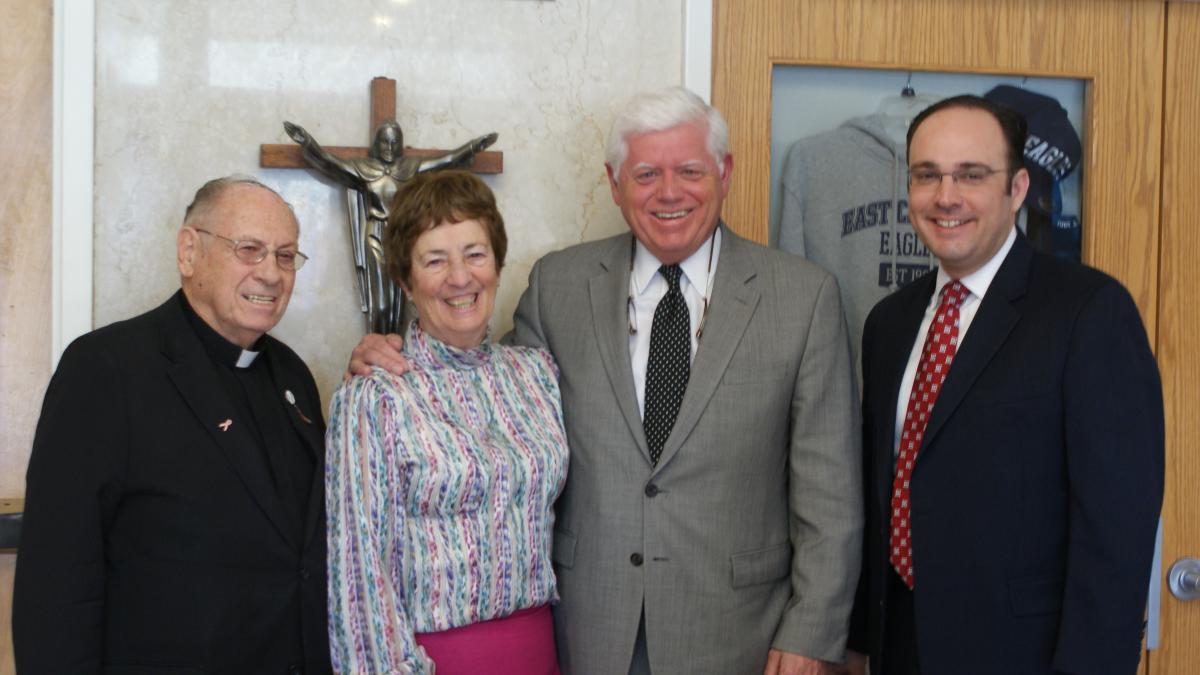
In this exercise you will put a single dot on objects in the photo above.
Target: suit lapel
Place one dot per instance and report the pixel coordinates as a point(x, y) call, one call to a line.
point(609, 290)
point(305, 418)
point(993, 322)
point(730, 308)
point(193, 374)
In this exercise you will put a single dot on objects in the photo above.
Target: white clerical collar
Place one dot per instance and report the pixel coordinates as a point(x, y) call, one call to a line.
point(978, 281)
point(246, 358)
point(696, 267)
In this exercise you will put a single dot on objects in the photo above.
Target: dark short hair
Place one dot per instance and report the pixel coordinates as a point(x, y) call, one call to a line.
point(1012, 125)
point(436, 198)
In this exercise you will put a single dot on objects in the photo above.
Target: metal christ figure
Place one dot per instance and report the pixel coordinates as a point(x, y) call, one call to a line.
point(371, 183)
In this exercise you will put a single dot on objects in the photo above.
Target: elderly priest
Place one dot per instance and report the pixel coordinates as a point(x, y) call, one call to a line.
point(174, 506)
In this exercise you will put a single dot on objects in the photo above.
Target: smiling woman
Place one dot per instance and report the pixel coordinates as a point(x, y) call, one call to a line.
point(453, 283)
point(445, 244)
point(441, 482)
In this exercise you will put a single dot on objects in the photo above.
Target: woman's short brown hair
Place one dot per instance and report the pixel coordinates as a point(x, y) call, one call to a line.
point(435, 198)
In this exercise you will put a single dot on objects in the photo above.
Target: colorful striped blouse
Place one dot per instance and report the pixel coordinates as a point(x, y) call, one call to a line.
point(440, 486)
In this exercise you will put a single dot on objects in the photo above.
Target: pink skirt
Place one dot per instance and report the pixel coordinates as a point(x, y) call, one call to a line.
point(518, 644)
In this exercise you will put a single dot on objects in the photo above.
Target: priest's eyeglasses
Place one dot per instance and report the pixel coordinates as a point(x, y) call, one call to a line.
point(253, 252)
point(928, 178)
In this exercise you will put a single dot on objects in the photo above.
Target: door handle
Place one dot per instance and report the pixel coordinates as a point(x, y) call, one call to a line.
point(1184, 579)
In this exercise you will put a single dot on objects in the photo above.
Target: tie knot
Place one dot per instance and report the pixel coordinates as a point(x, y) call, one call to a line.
point(671, 273)
point(953, 293)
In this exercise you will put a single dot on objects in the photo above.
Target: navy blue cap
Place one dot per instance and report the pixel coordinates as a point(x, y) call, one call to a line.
point(1052, 148)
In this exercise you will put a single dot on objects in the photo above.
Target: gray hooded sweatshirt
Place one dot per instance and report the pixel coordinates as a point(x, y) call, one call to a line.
point(845, 207)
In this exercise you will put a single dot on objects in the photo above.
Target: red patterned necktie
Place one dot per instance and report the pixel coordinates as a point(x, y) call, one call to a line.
point(941, 343)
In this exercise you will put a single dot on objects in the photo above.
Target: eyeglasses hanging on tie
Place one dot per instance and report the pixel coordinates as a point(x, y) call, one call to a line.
point(631, 310)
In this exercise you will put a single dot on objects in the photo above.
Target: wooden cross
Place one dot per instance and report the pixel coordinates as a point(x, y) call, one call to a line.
point(383, 108)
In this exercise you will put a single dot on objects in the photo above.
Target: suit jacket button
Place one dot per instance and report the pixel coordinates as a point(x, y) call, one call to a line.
point(651, 490)
point(304, 574)
point(294, 669)
point(636, 559)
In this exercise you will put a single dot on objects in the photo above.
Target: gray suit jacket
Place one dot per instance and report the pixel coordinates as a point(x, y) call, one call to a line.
point(747, 534)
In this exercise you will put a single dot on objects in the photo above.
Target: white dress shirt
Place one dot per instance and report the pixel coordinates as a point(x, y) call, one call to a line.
point(647, 287)
point(977, 283)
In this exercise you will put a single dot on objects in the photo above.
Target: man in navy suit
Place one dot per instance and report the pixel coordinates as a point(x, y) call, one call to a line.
point(174, 513)
point(1018, 537)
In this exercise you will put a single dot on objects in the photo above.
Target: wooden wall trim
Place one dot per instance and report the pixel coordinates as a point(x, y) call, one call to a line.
point(1114, 44)
point(74, 169)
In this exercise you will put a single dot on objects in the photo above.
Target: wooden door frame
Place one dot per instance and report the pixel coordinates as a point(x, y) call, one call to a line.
point(1116, 46)
point(1179, 334)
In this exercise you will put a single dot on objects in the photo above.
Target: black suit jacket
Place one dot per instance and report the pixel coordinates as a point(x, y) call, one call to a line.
point(154, 541)
point(1037, 488)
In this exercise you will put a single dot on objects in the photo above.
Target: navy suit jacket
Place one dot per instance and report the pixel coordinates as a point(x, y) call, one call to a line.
point(154, 541)
point(1037, 488)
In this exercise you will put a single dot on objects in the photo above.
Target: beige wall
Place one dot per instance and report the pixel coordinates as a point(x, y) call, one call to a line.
point(188, 91)
point(26, 40)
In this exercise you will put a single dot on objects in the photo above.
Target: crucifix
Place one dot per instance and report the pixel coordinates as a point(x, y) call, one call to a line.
point(371, 176)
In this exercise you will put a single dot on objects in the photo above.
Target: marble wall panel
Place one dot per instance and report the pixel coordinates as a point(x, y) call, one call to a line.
point(26, 229)
point(26, 233)
point(188, 91)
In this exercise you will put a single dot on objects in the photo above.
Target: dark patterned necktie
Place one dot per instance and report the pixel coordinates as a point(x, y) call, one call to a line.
point(941, 344)
point(669, 364)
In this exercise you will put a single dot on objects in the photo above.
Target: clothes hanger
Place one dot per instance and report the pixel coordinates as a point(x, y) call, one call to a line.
point(899, 110)
point(908, 103)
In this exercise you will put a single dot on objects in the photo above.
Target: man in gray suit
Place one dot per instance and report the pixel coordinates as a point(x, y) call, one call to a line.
point(711, 521)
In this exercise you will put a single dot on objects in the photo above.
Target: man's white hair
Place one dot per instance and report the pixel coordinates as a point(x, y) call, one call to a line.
point(662, 110)
point(208, 194)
